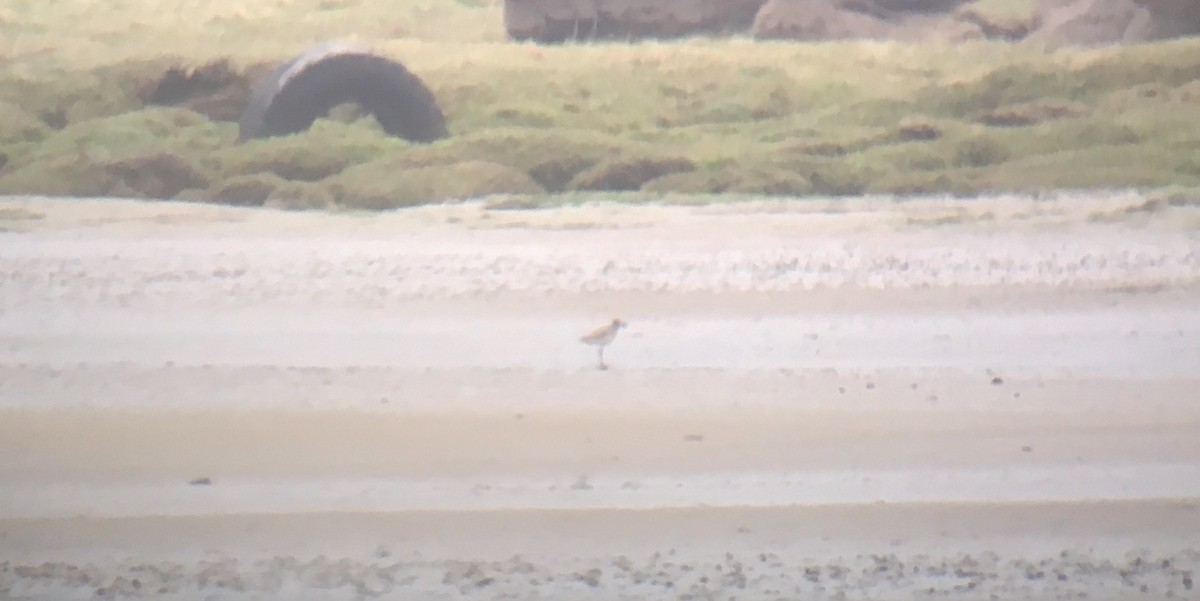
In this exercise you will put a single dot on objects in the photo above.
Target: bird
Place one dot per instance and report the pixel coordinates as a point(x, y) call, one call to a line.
point(602, 337)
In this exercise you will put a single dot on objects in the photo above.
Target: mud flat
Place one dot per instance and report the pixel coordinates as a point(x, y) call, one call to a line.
point(869, 399)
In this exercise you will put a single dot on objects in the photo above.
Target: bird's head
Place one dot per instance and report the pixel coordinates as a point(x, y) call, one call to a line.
point(618, 324)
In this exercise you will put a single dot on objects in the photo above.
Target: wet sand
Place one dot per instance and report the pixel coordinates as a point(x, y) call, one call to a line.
point(871, 399)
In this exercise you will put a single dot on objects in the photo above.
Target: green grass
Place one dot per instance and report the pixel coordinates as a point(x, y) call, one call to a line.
point(743, 117)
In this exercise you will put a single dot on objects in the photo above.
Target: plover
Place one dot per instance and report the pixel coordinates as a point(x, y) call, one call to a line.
point(602, 337)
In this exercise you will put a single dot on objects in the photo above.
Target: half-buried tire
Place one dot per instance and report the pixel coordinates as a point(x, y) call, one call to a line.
point(305, 88)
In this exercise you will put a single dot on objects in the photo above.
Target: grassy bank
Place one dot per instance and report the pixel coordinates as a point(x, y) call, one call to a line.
point(81, 112)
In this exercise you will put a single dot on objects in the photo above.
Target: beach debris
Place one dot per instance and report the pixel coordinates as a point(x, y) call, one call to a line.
point(996, 379)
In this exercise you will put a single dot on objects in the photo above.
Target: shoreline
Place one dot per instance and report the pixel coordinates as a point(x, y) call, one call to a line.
point(209, 402)
point(1143, 551)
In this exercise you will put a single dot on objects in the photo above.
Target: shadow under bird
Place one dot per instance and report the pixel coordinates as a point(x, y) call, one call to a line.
point(602, 337)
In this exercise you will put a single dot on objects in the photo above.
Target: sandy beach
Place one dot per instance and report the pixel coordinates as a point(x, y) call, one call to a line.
point(853, 399)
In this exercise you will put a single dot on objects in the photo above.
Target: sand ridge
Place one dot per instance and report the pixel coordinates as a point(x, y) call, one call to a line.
point(872, 552)
point(470, 251)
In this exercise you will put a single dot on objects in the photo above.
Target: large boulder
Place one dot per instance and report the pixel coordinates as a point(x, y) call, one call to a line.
point(816, 20)
point(914, 6)
point(1054, 22)
point(1086, 22)
point(556, 21)
point(1103, 22)
point(910, 20)
point(1168, 19)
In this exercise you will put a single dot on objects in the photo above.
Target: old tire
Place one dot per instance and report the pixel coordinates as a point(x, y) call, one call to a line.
point(306, 87)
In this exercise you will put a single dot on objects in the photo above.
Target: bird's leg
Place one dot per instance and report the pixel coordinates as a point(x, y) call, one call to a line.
point(600, 356)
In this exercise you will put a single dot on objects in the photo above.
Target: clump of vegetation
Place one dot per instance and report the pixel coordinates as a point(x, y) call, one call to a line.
point(156, 175)
point(300, 196)
point(626, 174)
point(1179, 196)
point(18, 125)
point(980, 151)
point(243, 190)
point(380, 185)
point(327, 149)
point(81, 116)
point(552, 157)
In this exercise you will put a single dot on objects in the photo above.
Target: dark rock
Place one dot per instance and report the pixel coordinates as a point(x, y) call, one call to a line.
point(377, 185)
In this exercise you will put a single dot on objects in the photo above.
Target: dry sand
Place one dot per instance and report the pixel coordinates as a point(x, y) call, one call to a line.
point(867, 399)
